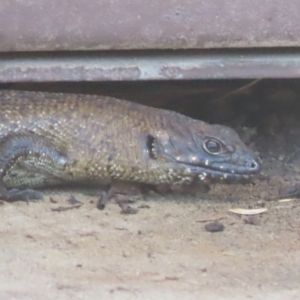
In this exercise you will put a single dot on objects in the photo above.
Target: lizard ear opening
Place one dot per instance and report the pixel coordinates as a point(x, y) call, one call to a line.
point(151, 145)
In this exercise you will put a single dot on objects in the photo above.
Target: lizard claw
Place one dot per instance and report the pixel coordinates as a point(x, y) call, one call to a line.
point(104, 198)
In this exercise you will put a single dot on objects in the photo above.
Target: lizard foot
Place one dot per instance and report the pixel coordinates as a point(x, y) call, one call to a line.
point(20, 195)
point(121, 200)
point(122, 194)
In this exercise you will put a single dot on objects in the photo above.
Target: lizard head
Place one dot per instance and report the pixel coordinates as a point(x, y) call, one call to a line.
point(203, 151)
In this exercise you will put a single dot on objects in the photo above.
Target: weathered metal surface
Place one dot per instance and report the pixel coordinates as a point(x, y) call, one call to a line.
point(143, 65)
point(30, 25)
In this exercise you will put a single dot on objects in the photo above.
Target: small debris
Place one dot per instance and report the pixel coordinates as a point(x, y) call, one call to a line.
point(126, 253)
point(52, 200)
point(127, 209)
point(172, 277)
point(29, 236)
point(261, 203)
point(243, 211)
point(61, 208)
point(144, 206)
point(214, 227)
point(286, 206)
point(126, 199)
point(72, 200)
point(121, 228)
point(120, 289)
point(288, 199)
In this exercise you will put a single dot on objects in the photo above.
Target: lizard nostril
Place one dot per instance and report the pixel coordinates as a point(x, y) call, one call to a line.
point(253, 165)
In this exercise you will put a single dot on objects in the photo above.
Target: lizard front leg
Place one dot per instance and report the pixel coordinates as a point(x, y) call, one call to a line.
point(27, 160)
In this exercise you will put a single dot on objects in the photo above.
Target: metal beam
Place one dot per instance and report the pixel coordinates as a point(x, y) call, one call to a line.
point(149, 65)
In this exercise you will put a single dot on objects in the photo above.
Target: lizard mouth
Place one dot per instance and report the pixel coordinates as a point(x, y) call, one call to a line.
point(209, 175)
point(227, 173)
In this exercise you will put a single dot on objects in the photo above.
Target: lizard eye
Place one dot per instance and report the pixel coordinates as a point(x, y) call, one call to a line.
point(213, 147)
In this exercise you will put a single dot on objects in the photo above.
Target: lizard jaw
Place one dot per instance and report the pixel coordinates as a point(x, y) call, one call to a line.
point(224, 177)
point(240, 174)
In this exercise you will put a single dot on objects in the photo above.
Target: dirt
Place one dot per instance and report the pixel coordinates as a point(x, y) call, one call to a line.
point(54, 249)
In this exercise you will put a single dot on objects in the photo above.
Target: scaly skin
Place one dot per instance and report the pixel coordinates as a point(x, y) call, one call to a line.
point(50, 138)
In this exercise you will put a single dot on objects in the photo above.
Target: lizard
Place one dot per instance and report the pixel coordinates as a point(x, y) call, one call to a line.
point(54, 138)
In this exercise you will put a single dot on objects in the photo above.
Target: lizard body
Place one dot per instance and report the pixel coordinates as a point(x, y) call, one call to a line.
point(50, 138)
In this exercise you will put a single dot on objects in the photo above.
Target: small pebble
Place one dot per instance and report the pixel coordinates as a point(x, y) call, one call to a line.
point(261, 203)
point(214, 227)
point(126, 253)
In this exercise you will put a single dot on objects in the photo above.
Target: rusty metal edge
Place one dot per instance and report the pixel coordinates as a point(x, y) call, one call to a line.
point(149, 65)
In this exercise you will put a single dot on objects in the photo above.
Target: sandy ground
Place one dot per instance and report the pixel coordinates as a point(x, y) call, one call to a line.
point(163, 251)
